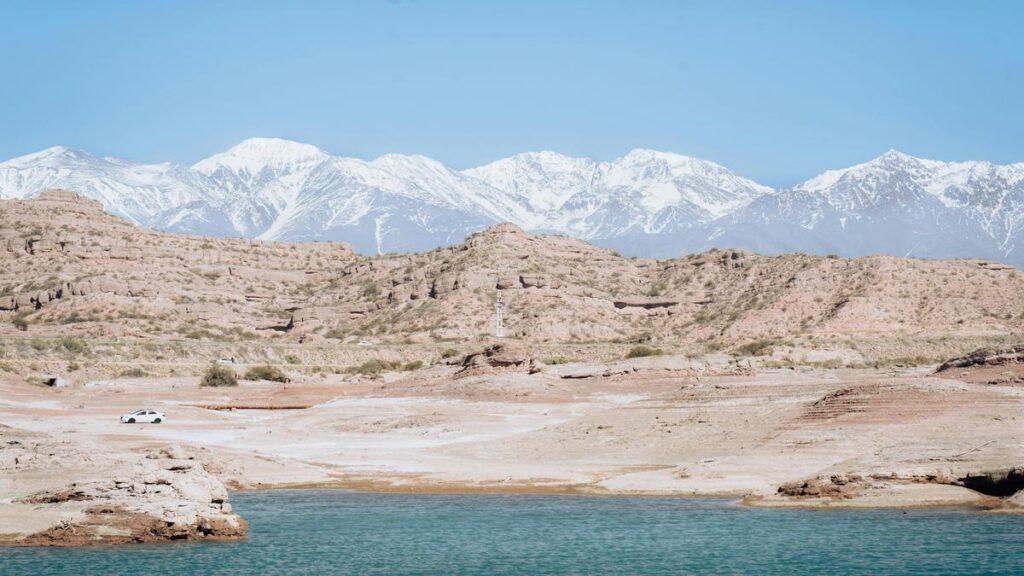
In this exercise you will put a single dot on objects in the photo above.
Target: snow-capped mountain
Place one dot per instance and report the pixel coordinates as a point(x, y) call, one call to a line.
point(646, 203)
point(645, 192)
point(134, 191)
point(894, 204)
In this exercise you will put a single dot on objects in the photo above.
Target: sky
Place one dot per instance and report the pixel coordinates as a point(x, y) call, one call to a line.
point(776, 91)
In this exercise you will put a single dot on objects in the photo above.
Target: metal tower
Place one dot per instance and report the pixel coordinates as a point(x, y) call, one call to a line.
point(499, 309)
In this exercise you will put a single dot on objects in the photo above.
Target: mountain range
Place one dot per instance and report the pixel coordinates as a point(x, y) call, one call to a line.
point(647, 203)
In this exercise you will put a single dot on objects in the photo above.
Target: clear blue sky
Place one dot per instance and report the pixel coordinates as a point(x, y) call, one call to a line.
point(777, 91)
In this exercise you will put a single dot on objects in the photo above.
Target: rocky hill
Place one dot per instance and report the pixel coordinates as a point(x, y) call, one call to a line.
point(71, 269)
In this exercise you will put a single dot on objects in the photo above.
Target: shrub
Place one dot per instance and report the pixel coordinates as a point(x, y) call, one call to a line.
point(644, 351)
point(712, 346)
point(134, 372)
point(374, 367)
point(20, 323)
point(449, 353)
point(414, 365)
point(757, 348)
point(832, 364)
point(271, 373)
point(219, 376)
point(73, 345)
point(292, 359)
point(553, 361)
point(335, 334)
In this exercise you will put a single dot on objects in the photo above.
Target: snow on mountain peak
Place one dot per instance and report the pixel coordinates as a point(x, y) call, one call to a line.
point(647, 155)
point(646, 202)
point(668, 180)
point(53, 156)
point(543, 181)
point(890, 161)
point(893, 154)
point(408, 161)
point(254, 154)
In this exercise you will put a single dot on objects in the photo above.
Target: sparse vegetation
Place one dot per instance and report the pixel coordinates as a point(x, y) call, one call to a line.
point(643, 351)
point(219, 377)
point(763, 347)
point(374, 367)
point(449, 353)
point(20, 322)
point(335, 334)
point(370, 290)
point(413, 365)
point(73, 345)
point(556, 360)
point(271, 373)
point(134, 372)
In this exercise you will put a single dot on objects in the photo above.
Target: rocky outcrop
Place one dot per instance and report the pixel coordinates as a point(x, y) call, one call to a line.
point(645, 303)
point(985, 357)
point(502, 356)
point(559, 289)
point(35, 299)
point(836, 486)
point(97, 497)
point(1001, 483)
point(1004, 486)
point(112, 524)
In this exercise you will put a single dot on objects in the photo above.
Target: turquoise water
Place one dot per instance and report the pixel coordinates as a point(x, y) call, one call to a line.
point(335, 532)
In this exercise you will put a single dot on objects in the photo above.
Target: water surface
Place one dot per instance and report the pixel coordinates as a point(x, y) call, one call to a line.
point(336, 532)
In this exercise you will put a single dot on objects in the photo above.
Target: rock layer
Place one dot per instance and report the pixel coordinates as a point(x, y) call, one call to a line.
point(68, 265)
point(93, 496)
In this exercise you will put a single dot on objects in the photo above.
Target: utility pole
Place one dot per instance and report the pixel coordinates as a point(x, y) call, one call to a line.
point(499, 309)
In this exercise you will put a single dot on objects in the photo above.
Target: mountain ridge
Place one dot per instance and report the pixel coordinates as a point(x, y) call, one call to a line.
point(645, 203)
point(74, 269)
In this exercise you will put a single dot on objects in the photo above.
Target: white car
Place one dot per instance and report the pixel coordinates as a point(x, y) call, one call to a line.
point(140, 416)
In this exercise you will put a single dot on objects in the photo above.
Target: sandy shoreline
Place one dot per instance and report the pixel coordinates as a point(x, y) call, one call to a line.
point(382, 486)
point(665, 426)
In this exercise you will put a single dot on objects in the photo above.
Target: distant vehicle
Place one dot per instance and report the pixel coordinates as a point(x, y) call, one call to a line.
point(230, 360)
point(365, 343)
point(143, 416)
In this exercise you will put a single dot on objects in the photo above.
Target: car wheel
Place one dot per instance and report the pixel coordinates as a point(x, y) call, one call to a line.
point(156, 421)
point(131, 420)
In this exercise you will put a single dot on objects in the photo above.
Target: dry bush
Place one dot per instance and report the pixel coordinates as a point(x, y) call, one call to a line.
point(219, 376)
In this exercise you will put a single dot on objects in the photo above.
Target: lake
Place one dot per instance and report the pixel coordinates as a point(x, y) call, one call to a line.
point(338, 532)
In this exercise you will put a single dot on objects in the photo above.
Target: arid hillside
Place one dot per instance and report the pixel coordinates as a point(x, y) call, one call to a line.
point(71, 269)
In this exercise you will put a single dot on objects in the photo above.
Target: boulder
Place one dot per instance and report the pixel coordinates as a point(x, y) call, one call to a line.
point(535, 281)
point(986, 357)
point(504, 355)
point(444, 284)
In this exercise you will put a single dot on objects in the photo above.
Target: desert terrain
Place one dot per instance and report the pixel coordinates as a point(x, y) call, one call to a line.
point(792, 380)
